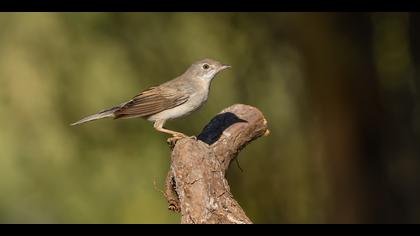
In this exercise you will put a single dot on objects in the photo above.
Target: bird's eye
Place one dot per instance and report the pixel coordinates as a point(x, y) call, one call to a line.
point(206, 66)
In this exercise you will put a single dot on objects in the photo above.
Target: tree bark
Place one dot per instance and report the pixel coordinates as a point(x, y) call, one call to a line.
point(196, 185)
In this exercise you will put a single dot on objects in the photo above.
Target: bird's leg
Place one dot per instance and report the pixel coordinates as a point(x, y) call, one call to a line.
point(158, 125)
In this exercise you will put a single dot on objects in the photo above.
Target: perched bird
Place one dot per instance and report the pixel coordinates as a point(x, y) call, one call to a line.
point(175, 98)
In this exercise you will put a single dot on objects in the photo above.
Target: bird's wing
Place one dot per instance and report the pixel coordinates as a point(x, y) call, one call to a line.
point(151, 101)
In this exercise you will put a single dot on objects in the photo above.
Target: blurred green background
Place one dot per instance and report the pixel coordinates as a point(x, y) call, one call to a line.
point(340, 93)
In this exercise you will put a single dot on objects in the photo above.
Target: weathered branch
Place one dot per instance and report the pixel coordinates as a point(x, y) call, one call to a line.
point(196, 184)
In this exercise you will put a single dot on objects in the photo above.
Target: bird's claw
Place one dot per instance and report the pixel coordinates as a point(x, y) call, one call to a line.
point(172, 140)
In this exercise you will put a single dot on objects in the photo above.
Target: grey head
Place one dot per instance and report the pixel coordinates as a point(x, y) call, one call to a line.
point(205, 69)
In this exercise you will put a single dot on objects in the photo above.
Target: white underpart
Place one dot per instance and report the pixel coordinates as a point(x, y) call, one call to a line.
point(195, 101)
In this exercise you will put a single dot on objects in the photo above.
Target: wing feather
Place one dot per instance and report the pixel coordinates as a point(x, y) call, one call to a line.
point(151, 101)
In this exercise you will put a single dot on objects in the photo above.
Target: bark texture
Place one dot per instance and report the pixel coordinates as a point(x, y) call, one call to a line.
point(196, 185)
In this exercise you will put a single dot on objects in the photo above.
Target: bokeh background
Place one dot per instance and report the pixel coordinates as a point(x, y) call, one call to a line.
point(340, 92)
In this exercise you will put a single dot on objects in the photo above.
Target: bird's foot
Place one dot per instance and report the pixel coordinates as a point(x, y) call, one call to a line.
point(172, 140)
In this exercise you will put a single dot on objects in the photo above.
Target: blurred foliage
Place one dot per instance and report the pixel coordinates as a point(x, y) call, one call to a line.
point(340, 93)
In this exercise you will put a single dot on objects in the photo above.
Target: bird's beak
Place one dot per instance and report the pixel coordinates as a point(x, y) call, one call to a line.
point(224, 66)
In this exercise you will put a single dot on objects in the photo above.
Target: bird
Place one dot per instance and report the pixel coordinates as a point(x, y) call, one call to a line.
point(173, 99)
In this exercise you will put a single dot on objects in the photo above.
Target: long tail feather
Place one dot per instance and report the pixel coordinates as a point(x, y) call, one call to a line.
point(97, 116)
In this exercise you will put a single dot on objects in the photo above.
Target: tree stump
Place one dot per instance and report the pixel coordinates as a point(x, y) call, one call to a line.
point(196, 185)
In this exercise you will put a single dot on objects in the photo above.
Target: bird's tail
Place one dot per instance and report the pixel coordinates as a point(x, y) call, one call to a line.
point(102, 114)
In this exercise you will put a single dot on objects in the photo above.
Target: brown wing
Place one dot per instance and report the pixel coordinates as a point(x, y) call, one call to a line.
point(151, 101)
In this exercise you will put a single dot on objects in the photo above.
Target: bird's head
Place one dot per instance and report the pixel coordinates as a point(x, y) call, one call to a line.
point(206, 69)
